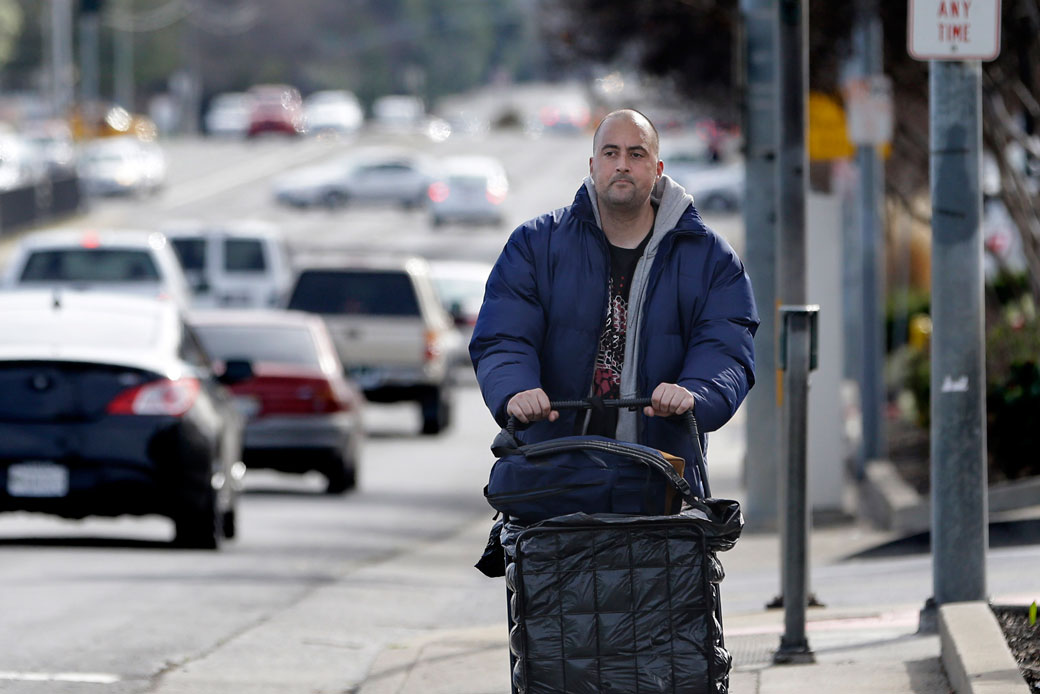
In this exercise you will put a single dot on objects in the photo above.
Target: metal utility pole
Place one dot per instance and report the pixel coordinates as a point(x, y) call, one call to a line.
point(958, 409)
point(871, 212)
point(61, 57)
point(124, 58)
point(958, 349)
point(761, 467)
point(792, 180)
point(89, 32)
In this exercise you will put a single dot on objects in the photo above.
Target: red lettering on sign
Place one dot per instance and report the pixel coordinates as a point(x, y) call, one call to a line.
point(942, 10)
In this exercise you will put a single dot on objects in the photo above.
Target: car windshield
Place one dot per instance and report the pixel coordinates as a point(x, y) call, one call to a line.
point(90, 265)
point(278, 344)
point(191, 253)
point(355, 293)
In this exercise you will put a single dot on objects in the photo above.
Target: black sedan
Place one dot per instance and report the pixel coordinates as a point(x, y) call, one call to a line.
point(108, 406)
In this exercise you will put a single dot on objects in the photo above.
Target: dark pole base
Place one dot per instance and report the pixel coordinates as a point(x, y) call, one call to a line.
point(928, 618)
point(793, 653)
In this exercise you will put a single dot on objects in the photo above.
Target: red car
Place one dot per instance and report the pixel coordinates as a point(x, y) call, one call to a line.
point(301, 412)
point(277, 108)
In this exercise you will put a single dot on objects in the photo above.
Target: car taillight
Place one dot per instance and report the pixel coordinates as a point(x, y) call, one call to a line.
point(162, 397)
point(432, 346)
point(438, 192)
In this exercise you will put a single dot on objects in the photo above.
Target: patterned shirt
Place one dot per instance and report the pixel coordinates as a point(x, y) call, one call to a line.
point(610, 358)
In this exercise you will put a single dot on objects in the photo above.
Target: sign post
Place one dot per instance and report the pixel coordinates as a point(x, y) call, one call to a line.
point(955, 35)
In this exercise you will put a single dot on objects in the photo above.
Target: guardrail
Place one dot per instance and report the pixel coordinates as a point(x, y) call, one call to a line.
point(55, 196)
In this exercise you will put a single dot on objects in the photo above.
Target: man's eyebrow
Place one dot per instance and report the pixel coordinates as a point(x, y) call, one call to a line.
point(609, 145)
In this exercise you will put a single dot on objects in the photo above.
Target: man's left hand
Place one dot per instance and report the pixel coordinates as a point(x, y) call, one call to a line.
point(669, 399)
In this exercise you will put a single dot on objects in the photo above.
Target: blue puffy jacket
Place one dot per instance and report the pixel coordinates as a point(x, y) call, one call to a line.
point(545, 307)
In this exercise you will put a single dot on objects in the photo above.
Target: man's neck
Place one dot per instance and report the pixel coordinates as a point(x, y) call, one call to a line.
point(626, 229)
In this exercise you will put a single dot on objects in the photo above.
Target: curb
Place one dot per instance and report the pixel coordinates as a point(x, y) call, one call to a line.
point(889, 503)
point(975, 654)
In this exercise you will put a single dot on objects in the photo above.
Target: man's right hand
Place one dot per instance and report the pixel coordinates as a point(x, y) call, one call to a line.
point(530, 406)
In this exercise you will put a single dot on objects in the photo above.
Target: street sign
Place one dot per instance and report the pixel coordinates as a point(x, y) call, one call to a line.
point(954, 29)
point(869, 104)
point(828, 136)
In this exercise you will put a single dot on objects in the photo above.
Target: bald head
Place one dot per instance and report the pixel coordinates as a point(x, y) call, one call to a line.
point(633, 116)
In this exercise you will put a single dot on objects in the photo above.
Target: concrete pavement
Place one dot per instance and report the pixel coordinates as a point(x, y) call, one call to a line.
point(858, 650)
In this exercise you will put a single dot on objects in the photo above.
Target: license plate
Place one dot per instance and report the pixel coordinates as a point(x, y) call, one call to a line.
point(247, 405)
point(39, 479)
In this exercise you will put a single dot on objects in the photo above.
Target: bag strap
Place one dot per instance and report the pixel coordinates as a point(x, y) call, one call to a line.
point(506, 442)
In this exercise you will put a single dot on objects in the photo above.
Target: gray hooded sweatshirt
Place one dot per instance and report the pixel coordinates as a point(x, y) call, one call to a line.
point(671, 200)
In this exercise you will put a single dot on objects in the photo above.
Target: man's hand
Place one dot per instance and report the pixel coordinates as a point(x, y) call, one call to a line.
point(530, 406)
point(669, 399)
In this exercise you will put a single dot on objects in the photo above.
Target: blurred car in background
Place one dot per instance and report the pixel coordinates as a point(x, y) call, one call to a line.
point(369, 176)
point(460, 286)
point(233, 264)
point(52, 140)
point(229, 114)
point(110, 407)
point(393, 336)
point(122, 166)
point(398, 113)
point(468, 189)
point(20, 163)
point(715, 187)
point(333, 111)
point(302, 413)
point(276, 108)
point(125, 261)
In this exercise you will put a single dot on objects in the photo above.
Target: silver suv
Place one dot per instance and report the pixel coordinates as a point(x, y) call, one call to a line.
point(393, 336)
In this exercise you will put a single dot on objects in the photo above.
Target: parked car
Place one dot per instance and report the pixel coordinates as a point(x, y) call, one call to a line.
point(335, 110)
point(375, 175)
point(716, 187)
point(392, 334)
point(122, 166)
point(468, 189)
point(460, 285)
point(398, 113)
point(110, 407)
point(20, 163)
point(302, 412)
point(276, 108)
point(229, 114)
point(233, 264)
point(133, 262)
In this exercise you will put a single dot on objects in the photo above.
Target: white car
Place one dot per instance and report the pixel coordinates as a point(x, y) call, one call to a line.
point(715, 187)
point(468, 189)
point(236, 264)
point(398, 113)
point(460, 286)
point(335, 110)
point(228, 114)
point(372, 176)
point(122, 166)
point(133, 262)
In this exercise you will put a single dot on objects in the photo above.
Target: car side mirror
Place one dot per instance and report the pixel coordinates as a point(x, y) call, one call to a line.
point(235, 371)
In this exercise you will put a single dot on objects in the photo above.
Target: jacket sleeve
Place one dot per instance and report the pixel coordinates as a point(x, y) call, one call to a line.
point(510, 328)
point(719, 367)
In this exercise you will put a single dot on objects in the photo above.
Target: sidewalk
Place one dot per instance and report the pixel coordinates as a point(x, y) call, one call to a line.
point(860, 650)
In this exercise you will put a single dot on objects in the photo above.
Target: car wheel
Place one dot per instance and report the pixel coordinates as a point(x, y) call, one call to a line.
point(436, 410)
point(334, 199)
point(200, 527)
point(341, 474)
point(229, 525)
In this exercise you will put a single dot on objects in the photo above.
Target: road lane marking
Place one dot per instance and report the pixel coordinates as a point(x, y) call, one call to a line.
point(78, 677)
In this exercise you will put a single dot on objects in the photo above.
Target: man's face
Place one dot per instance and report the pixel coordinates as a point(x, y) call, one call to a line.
point(624, 166)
